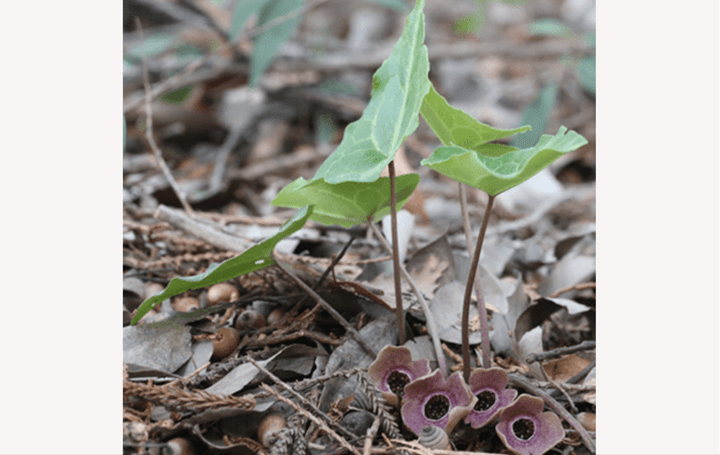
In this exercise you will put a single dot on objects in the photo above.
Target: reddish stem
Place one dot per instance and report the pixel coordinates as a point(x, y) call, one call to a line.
point(396, 254)
point(481, 303)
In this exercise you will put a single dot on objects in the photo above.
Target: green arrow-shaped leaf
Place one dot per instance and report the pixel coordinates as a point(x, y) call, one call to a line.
point(399, 86)
point(455, 127)
point(255, 258)
point(347, 203)
point(495, 174)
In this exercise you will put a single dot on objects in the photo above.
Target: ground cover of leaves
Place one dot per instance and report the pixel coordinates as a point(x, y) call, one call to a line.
point(232, 148)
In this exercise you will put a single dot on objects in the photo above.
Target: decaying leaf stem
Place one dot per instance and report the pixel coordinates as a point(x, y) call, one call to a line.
point(396, 255)
point(432, 328)
point(481, 302)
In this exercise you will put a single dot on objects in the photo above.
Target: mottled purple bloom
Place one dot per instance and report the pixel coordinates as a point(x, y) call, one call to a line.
point(526, 430)
point(488, 385)
point(432, 400)
point(393, 369)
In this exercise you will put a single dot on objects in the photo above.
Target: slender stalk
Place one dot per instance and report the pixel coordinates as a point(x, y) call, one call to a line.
point(484, 335)
point(481, 302)
point(396, 254)
point(432, 328)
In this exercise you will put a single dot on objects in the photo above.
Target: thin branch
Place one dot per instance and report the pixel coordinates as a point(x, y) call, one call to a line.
point(300, 398)
point(149, 131)
point(312, 418)
point(432, 328)
point(559, 352)
point(337, 316)
point(576, 287)
point(201, 230)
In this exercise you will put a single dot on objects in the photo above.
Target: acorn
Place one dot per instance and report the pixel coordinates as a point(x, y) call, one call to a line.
point(222, 292)
point(250, 319)
point(269, 427)
point(225, 343)
point(434, 438)
point(180, 446)
point(274, 316)
point(185, 304)
point(153, 288)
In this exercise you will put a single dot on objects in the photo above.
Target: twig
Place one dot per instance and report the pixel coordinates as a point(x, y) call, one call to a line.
point(370, 434)
point(200, 230)
point(308, 383)
point(582, 373)
point(432, 328)
point(559, 352)
point(576, 287)
point(334, 262)
point(519, 381)
point(312, 418)
point(326, 306)
point(300, 398)
point(559, 387)
point(149, 131)
point(573, 388)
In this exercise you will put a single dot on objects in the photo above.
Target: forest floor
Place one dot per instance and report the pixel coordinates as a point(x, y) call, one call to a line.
point(231, 148)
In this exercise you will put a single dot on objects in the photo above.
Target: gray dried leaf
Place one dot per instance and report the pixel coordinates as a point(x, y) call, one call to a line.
point(163, 347)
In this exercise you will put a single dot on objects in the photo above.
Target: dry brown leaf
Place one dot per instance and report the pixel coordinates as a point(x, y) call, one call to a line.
point(565, 367)
point(425, 278)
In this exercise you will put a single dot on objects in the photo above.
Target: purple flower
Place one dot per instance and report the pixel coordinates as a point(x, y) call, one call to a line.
point(393, 369)
point(432, 400)
point(526, 430)
point(488, 385)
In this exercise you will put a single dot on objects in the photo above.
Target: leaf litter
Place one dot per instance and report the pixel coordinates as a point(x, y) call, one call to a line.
point(209, 405)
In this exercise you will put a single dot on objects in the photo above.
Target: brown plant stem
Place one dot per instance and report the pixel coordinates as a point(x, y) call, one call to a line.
point(486, 363)
point(432, 328)
point(481, 303)
point(396, 254)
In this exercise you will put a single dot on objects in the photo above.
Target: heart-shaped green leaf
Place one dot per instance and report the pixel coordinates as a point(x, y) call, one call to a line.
point(399, 86)
point(455, 127)
point(347, 203)
point(495, 174)
point(255, 258)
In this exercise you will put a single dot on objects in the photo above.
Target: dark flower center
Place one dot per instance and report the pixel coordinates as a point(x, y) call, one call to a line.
point(437, 407)
point(396, 381)
point(486, 399)
point(523, 429)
